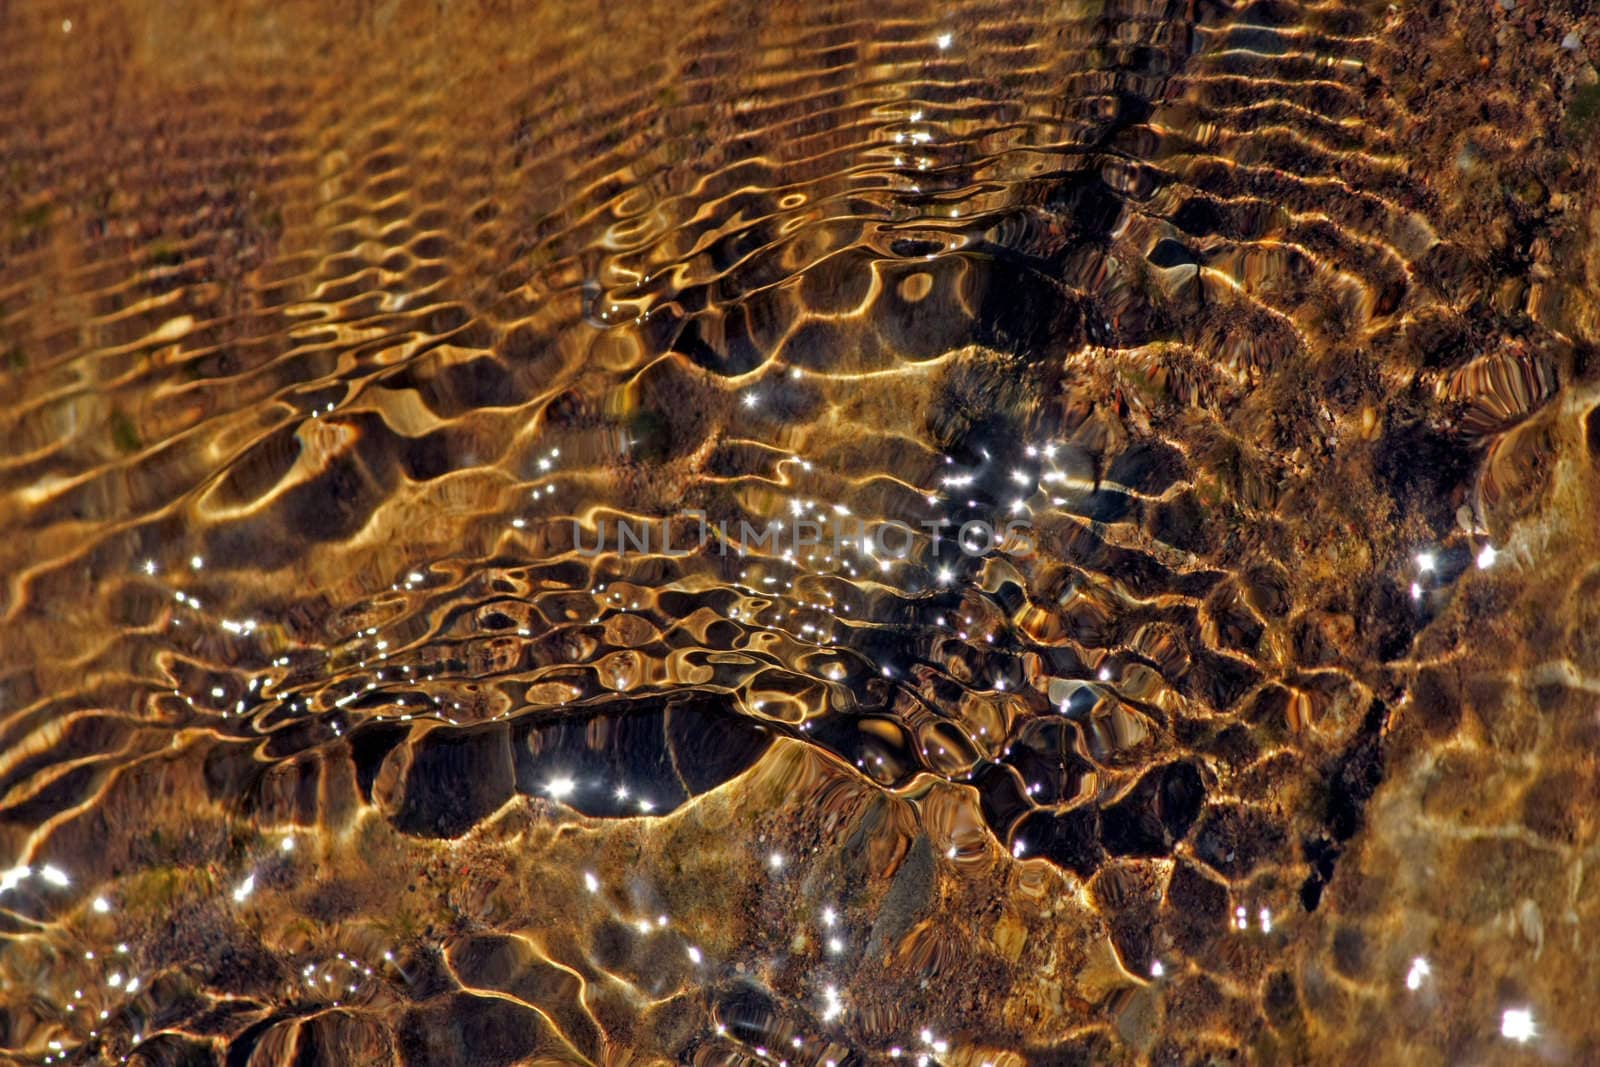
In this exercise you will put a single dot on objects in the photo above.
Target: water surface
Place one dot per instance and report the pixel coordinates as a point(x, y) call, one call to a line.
point(333, 344)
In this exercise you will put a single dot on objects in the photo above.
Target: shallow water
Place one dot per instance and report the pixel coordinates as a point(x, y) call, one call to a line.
point(1112, 489)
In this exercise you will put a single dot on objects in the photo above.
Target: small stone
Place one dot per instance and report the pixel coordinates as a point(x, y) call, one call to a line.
point(1571, 42)
point(1532, 924)
point(1009, 935)
point(1508, 4)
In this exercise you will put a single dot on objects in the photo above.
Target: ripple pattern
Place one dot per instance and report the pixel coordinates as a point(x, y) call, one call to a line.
point(340, 722)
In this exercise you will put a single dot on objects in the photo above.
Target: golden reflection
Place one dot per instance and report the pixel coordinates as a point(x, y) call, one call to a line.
point(798, 534)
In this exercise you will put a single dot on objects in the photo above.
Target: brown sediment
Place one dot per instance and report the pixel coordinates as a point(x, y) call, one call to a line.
point(330, 344)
